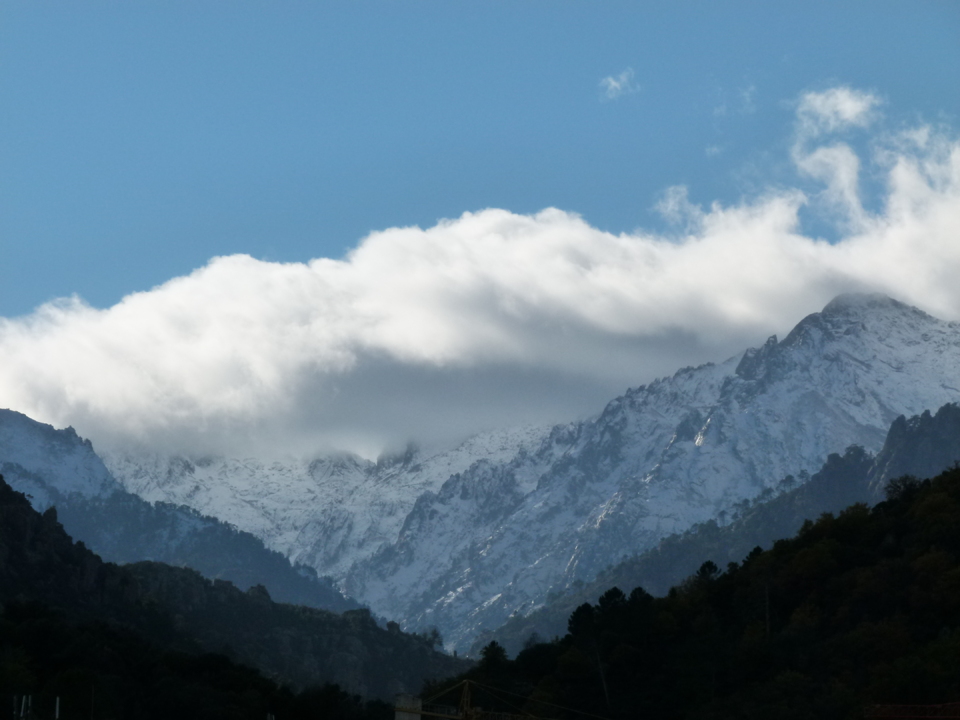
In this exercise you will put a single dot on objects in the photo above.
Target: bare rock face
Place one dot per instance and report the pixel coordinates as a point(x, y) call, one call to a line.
point(922, 446)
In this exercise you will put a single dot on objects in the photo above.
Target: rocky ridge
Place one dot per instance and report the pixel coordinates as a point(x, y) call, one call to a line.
point(326, 512)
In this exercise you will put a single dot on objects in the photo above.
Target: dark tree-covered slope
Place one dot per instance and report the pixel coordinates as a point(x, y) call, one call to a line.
point(101, 671)
point(296, 643)
point(124, 528)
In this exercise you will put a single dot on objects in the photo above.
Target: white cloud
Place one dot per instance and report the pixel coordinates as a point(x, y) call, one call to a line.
point(675, 207)
point(487, 319)
point(835, 109)
point(623, 84)
point(837, 166)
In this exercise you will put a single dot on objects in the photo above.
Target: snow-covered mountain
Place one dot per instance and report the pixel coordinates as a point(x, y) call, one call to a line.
point(496, 539)
point(329, 512)
point(48, 461)
point(464, 539)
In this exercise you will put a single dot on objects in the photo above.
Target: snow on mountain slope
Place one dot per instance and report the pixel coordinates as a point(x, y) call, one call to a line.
point(61, 457)
point(329, 512)
point(494, 540)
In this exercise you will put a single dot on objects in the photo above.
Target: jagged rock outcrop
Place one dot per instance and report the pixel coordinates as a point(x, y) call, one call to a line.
point(922, 446)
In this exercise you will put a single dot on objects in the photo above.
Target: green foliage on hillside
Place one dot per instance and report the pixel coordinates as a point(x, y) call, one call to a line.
point(859, 608)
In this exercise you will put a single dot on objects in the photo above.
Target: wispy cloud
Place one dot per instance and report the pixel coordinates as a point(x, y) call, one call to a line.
point(675, 207)
point(835, 109)
point(612, 87)
point(821, 114)
point(486, 319)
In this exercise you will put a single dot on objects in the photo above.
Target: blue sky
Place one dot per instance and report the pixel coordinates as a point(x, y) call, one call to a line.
point(138, 140)
point(314, 226)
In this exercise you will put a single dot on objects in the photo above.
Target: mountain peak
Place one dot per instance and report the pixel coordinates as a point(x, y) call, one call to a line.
point(859, 314)
point(863, 303)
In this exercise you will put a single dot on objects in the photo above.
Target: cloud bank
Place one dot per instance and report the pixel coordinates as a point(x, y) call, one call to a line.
point(492, 318)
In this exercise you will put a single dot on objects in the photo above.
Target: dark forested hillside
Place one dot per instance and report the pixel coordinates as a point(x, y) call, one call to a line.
point(296, 643)
point(177, 610)
point(859, 608)
point(105, 671)
point(922, 446)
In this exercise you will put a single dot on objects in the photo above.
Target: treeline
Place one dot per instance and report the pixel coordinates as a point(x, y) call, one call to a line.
point(859, 608)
